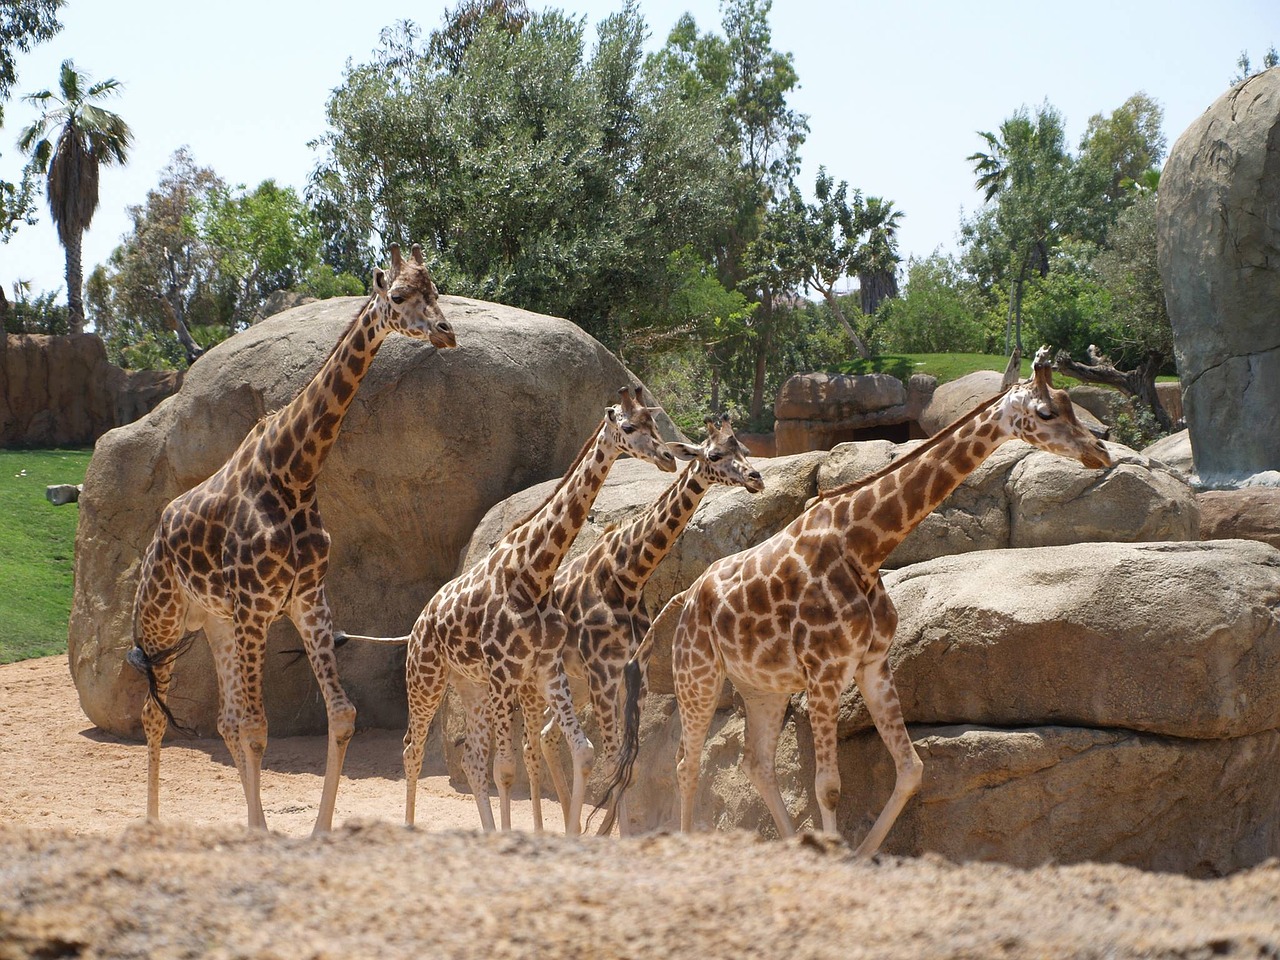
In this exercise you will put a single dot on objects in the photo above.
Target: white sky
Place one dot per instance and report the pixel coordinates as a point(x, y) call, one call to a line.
point(895, 92)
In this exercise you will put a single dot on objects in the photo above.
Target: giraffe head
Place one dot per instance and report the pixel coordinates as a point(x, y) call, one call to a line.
point(408, 299)
point(722, 457)
point(1044, 417)
point(634, 431)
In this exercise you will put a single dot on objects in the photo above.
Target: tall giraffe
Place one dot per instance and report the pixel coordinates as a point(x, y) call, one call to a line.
point(805, 610)
point(247, 545)
point(494, 630)
point(601, 592)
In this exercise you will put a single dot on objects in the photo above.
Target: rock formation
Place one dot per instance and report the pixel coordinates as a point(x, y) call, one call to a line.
point(815, 411)
point(1218, 236)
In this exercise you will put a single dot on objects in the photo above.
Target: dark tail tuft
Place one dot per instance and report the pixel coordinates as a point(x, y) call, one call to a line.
point(138, 659)
point(628, 749)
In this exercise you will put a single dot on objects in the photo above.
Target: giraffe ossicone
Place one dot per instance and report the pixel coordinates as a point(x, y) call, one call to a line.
point(806, 611)
point(247, 545)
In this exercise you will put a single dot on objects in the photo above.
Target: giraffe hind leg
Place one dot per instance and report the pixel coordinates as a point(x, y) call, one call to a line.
point(696, 696)
point(426, 679)
point(876, 683)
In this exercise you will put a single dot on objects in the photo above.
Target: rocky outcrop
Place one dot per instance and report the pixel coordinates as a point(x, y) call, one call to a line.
point(62, 391)
point(1217, 236)
point(1093, 702)
point(431, 442)
point(816, 411)
point(1174, 451)
point(1250, 514)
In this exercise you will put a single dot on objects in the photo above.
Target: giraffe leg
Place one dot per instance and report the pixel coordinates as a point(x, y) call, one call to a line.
point(560, 699)
point(245, 701)
point(696, 694)
point(876, 683)
point(501, 710)
point(765, 711)
point(549, 738)
point(475, 749)
point(311, 615)
point(824, 712)
point(605, 704)
point(426, 678)
point(531, 709)
point(160, 613)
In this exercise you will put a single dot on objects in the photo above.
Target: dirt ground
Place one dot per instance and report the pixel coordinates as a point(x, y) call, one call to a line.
point(82, 876)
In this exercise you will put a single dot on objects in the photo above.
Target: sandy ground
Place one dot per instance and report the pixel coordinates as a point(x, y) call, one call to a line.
point(82, 876)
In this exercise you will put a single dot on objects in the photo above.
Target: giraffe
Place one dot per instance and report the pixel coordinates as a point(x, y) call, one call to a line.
point(494, 631)
point(805, 610)
point(247, 545)
point(601, 591)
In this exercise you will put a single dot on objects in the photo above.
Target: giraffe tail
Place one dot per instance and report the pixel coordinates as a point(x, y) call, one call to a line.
point(138, 658)
point(339, 638)
point(633, 675)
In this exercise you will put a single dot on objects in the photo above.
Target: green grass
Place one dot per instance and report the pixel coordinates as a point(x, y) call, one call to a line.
point(946, 366)
point(37, 544)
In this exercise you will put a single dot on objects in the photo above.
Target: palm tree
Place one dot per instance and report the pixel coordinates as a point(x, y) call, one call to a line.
point(71, 140)
point(878, 255)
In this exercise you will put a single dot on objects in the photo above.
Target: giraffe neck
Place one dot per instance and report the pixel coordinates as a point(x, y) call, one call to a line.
point(649, 538)
point(543, 540)
point(303, 433)
point(876, 514)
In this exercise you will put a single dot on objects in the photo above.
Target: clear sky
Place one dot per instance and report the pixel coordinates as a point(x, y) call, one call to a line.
point(894, 92)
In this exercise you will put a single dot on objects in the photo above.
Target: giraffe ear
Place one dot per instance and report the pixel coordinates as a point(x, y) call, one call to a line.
point(381, 285)
point(611, 414)
point(683, 451)
point(417, 254)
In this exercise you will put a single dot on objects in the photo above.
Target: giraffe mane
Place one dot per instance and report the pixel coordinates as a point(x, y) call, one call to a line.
point(564, 478)
point(915, 454)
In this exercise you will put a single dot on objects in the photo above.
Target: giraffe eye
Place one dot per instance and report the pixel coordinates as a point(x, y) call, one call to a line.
point(397, 298)
point(713, 457)
point(628, 428)
point(1044, 413)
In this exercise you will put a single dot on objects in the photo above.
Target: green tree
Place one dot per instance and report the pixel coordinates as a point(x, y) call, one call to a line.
point(22, 25)
point(938, 312)
point(262, 241)
point(1027, 181)
point(878, 255)
point(159, 283)
point(85, 137)
point(1244, 66)
point(1141, 336)
point(1116, 150)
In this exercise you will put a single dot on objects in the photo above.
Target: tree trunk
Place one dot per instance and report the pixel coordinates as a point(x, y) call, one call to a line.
point(858, 343)
point(75, 283)
point(1139, 382)
point(763, 344)
point(176, 323)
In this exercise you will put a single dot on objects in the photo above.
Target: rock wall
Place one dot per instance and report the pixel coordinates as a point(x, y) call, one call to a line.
point(62, 391)
point(1218, 241)
point(816, 411)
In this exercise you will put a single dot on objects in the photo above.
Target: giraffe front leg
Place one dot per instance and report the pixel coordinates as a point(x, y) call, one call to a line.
point(311, 615)
point(876, 683)
point(549, 739)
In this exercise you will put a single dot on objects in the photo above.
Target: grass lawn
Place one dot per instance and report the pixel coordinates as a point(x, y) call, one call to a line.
point(37, 542)
point(947, 366)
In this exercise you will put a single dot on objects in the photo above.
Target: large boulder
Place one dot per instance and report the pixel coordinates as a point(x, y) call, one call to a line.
point(1251, 514)
point(1217, 235)
point(1174, 451)
point(1024, 497)
point(431, 442)
point(815, 411)
point(1093, 702)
